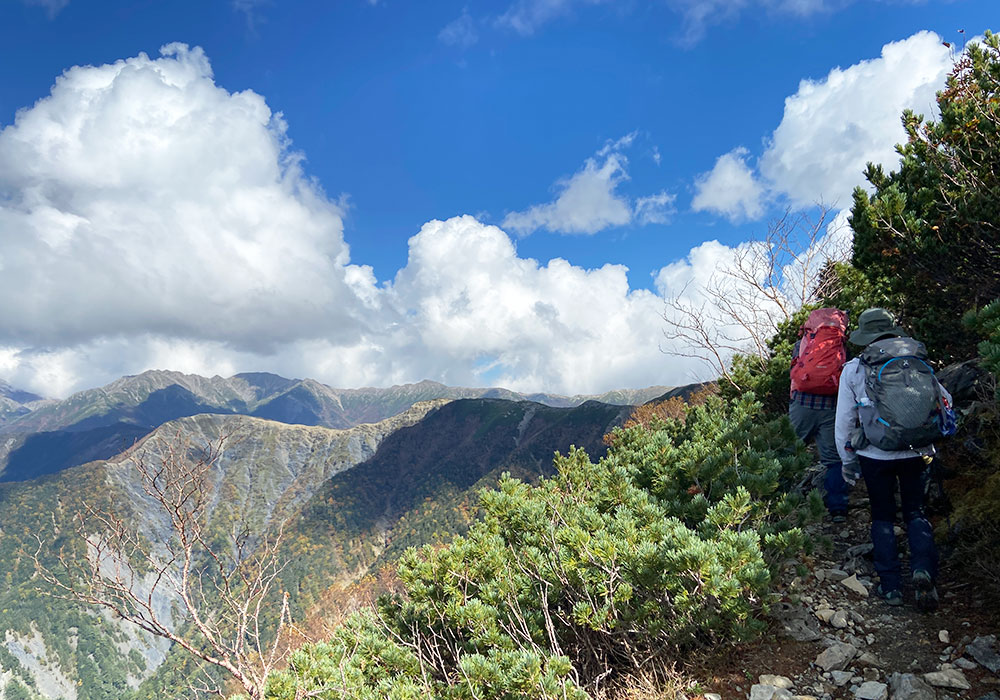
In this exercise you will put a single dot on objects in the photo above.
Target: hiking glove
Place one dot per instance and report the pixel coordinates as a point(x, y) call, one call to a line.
point(851, 471)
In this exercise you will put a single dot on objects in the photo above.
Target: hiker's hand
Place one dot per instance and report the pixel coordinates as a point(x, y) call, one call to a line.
point(851, 471)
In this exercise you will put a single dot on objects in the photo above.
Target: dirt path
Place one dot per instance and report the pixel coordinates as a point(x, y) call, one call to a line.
point(829, 641)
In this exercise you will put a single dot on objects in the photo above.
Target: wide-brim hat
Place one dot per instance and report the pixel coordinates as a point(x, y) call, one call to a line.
point(873, 324)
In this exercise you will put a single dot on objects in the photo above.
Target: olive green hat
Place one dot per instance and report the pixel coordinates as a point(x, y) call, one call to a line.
point(873, 324)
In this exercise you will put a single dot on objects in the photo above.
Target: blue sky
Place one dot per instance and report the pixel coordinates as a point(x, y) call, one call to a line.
point(593, 133)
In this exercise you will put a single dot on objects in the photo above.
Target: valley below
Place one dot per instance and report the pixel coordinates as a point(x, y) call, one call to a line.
point(351, 479)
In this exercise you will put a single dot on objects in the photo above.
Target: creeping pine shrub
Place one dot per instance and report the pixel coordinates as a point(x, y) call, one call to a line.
point(585, 578)
point(987, 321)
point(975, 521)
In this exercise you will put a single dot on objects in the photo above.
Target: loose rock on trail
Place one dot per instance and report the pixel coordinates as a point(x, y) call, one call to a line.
point(833, 637)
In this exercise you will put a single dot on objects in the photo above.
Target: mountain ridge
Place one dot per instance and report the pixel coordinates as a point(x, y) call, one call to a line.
point(48, 436)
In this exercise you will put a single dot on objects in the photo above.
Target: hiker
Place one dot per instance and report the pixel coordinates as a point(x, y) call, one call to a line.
point(890, 409)
point(817, 360)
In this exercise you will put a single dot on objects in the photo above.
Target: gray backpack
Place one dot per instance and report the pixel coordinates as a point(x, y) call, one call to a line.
point(903, 407)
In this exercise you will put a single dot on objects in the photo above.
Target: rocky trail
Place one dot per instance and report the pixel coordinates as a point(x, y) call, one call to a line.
point(833, 637)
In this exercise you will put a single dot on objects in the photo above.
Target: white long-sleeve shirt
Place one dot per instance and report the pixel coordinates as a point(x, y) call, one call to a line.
point(851, 392)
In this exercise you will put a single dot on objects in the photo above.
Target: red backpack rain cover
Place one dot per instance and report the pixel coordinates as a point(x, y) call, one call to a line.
point(822, 354)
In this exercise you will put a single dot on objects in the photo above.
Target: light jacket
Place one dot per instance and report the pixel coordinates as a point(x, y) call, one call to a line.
point(851, 392)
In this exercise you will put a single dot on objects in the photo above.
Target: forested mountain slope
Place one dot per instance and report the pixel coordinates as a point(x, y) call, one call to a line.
point(350, 499)
point(266, 471)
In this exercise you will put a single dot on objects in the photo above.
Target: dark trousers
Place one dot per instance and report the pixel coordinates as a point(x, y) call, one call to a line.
point(881, 478)
point(817, 424)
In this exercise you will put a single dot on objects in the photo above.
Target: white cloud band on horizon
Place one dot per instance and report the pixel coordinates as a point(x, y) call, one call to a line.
point(465, 310)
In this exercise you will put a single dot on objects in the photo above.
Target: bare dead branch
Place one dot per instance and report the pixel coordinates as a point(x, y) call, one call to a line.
point(220, 603)
point(743, 302)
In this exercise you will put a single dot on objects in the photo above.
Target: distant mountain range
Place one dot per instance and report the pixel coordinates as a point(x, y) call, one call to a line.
point(40, 437)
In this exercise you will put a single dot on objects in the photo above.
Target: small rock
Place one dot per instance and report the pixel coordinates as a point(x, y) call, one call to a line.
point(805, 697)
point(965, 664)
point(859, 550)
point(824, 615)
point(950, 678)
point(983, 650)
point(856, 616)
point(841, 678)
point(872, 690)
point(948, 650)
point(769, 692)
point(853, 640)
point(870, 674)
point(869, 659)
point(906, 686)
point(852, 584)
point(898, 531)
point(839, 620)
point(820, 575)
point(825, 689)
point(796, 623)
point(776, 681)
point(870, 638)
point(943, 637)
point(712, 696)
point(836, 657)
point(836, 574)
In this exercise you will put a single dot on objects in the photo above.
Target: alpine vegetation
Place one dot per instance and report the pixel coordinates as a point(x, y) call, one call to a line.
point(596, 573)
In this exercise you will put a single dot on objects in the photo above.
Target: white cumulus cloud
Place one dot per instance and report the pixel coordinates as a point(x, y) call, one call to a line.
point(730, 188)
point(141, 196)
point(830, 130)
point(477, 308)
point(589, 200)
point(832, 127)
point(465, 310)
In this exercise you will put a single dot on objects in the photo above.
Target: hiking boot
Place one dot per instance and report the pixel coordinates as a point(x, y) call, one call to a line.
point(926, 594)
point(838, 516)
point(893, 597)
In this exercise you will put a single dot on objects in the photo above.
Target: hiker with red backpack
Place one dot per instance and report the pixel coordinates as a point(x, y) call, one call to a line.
point(890, 410)
point(815, 375)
